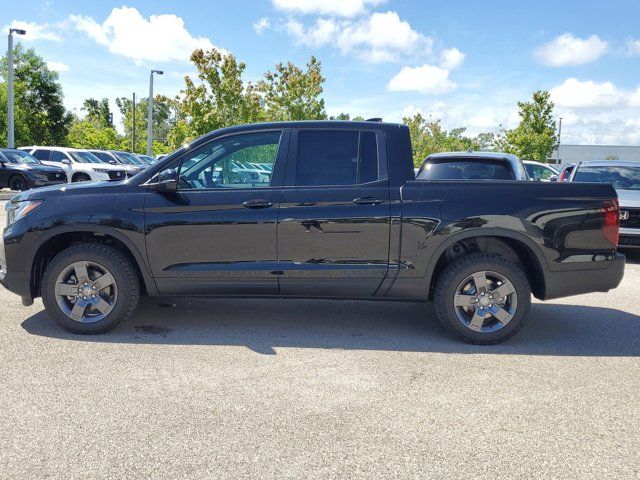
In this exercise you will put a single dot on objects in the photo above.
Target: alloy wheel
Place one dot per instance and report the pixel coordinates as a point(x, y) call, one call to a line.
point(485, 301)
point(86, 292)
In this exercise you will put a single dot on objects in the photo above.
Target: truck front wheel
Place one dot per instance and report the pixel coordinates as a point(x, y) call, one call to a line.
point(483, 298)
point(90, 288)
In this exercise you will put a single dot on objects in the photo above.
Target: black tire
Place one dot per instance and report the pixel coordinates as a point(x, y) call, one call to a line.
point(81, 177)
point(125, 279)
point(459, 271)
point(18, 183)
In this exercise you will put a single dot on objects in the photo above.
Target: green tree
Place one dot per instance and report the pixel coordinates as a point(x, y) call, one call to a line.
point(346, 116)
point(428, 136)
point(40, 116)
point(162, 123)
point(535, 137)
point(98, 112)
point(221, 98)
point(290, 93)
point(88, 134)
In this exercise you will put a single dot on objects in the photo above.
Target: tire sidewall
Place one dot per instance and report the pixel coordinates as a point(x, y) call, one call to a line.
point(82, 177)
point(126, 293)
point(462, 269)
point(18, 177)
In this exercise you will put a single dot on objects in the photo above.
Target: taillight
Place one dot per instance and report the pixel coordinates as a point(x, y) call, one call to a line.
point(611, 220)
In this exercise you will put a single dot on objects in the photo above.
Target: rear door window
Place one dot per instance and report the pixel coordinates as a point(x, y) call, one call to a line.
point(336, 157)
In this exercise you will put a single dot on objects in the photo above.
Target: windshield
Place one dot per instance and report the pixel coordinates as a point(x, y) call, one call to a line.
point(126, 158)
point(18, 156)
point(146, 159)
point(84, 157)
point(623, 178)
point(465, 170)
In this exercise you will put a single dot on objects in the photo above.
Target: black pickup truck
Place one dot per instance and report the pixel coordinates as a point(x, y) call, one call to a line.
point(310, 209)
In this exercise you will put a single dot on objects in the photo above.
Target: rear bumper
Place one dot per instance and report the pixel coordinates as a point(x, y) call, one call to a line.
point(576, 282)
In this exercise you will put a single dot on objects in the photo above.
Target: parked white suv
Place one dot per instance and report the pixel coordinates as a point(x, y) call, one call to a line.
point(81, 165)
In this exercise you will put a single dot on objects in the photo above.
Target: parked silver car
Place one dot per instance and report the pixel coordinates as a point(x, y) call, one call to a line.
point(625, 178)
point(472, 166)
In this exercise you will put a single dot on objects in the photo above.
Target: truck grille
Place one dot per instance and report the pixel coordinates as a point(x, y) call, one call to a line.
point(634, 218)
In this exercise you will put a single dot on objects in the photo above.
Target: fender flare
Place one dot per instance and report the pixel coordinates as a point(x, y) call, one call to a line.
point(147, 278)
point(491, 232)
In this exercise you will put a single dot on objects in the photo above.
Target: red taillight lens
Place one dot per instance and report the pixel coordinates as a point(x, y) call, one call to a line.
point(611, 220)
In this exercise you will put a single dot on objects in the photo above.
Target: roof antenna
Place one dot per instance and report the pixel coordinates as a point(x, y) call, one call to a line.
point(374, 119)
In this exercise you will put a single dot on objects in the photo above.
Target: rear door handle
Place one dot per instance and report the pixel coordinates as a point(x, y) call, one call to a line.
point(258, 203)
point(368, 201)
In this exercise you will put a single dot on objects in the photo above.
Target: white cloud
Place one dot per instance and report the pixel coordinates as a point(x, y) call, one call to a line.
point(35, 31)
point(633, 46)
point(379, 37)
point(58, 66)
point(573, 93)
point(261, 25)
point(337, 8)
point(427, 79)
point(568, 50)
point(452, 58)
point(126, 32)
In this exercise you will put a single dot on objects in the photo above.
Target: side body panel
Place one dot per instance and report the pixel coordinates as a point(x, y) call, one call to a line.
point(560, 224)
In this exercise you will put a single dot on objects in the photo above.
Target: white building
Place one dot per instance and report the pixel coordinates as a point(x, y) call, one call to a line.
point(577, 153)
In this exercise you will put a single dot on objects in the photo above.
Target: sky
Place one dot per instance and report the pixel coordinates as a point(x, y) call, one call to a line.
point(465, 62)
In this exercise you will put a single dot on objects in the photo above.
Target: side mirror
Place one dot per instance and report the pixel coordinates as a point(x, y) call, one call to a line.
point(66, 161)
point(167, 181)
point(113, 162)
point(553, 178)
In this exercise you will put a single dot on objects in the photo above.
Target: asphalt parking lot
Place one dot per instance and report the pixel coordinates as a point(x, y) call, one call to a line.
point(322, 389)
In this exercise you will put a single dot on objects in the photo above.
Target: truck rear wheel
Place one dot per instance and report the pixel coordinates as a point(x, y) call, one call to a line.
point(482, 298)
point(90, 288)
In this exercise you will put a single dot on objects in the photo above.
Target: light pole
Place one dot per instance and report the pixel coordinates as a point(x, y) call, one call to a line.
point(559, 137)
point(150, 113)
point(10, 127)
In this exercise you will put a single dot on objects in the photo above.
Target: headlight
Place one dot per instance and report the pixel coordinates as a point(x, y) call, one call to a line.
point(101, 170)
point(17, 210)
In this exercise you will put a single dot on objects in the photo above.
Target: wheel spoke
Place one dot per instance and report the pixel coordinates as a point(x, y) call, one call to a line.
point(77, 312)
point(501, 314)
point(477, 321)
point(80, 269)
point(462, 300)
point(66, 289)
point(503, 291)
point(480, 281)
point(104, 281)
point(102, 306)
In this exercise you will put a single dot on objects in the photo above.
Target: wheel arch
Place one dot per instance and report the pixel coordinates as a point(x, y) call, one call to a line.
point(20, 175)
point(61, 238)
point(509, 244)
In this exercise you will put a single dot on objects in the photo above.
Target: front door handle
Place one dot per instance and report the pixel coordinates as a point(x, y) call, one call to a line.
point(368, 201)
point(258, 203)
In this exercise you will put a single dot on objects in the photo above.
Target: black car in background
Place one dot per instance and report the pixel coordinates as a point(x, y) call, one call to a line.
point(21, 171)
